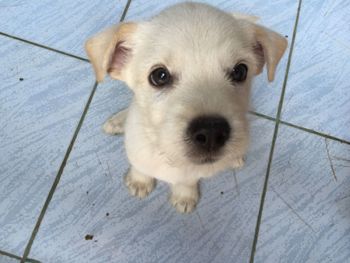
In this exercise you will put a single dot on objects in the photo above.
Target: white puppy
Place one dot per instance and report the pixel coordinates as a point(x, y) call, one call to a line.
point(190, 69)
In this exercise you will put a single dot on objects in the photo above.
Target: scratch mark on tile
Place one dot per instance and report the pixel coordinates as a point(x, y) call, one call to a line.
point(330, 160)
point(342, 198)
point(330, 9)
point(236, 183)
point(293, 211)
point(99, 160)
point(200, 220)
point(109, 171)
point(341, 159)
point(341, 165)
point(339, 42)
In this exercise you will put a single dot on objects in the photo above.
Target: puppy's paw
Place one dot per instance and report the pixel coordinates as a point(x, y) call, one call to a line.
point(115, 124)
point(111, 128)
point(238, 163)
point(139, 186)
point(184, 198)
point(183, 204)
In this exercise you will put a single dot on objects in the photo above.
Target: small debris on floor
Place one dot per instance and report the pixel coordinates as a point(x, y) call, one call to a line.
point(21, 79)
point(107, 214)
point(89, 237)
point(87, 192)
point(222, 192)
point(286, 36)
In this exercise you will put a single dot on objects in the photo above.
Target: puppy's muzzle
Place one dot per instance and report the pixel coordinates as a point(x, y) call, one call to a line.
point(207, 135)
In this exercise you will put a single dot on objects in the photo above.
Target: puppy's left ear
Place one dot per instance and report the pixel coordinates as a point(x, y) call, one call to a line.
point(110, 50)
point(269, 48)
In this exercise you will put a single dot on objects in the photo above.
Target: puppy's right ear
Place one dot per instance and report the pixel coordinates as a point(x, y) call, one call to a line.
point(110, 50)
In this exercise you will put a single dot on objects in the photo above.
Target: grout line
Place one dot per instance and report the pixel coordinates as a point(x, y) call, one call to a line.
point(64, 162)
point(43, 46)
point(126, 9)
point(30, 260)
point(274, 138)
point(327, 136)
point(10, 255)
point(60, 51)
point(58, 177)
point(321, 134)
point(262, 115)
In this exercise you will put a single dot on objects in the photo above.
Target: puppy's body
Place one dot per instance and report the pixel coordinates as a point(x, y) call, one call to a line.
point(190, 69)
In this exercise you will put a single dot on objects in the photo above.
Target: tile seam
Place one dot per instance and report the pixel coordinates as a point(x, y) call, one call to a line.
point(302, 128)
point(44, 47)
point(58, 176)
point(11, 255)
point(126, 8)
point(274, 138)
point(64, 162)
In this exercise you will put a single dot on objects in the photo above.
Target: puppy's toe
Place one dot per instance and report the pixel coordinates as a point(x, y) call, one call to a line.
point(182, 204)
point(112, 128)
point(238, 163)
point(139, 189)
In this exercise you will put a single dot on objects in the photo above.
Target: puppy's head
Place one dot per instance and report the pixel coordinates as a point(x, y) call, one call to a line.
point(190, 69)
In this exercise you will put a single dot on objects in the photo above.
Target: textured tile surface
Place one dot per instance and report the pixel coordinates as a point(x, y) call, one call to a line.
point(91, 199)
point(307, 210)
point(318, 89)
point(277, 15)
point(63, 24)
point(5, 259)
point(306, 217)
point(42, 95)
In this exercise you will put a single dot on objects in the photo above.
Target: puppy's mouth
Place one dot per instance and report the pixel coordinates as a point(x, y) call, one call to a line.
point(202, 160)
point(207, 160)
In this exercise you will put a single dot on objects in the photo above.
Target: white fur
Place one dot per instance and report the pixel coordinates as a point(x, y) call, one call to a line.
point(198, 44)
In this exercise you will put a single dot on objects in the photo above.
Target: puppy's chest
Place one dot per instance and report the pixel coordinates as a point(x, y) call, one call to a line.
point(144, 156)
point(151, 163)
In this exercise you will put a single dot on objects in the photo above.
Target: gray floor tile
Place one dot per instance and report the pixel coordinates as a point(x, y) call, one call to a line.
point(4, 259)
point(63, 24)
point(318, 89)
point(306, 217)
point(42, 96)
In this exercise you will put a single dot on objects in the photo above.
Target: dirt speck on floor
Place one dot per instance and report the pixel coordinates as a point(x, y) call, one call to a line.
point(89, 237)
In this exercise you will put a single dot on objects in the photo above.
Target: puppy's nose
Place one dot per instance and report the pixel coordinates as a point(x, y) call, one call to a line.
point(209, 133)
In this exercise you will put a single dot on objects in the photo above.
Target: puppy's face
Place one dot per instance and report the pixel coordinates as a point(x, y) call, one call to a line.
point(190, 69)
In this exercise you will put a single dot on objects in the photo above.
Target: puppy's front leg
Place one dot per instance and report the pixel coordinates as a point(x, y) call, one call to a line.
point(139, 185)
point(184, 197)
point(238, 163)
point(115, 124)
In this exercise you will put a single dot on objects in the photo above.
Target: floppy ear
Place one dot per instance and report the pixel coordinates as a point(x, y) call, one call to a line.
point(269, 47)
point(109, 50)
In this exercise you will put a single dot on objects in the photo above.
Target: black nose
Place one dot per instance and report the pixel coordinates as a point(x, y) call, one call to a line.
point(209, 133)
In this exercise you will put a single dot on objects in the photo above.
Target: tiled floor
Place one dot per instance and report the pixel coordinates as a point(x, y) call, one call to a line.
point(60, 176)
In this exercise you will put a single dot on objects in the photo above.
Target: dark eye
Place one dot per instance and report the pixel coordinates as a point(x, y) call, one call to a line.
point(160, 77)
point(239, 73)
